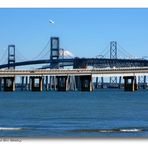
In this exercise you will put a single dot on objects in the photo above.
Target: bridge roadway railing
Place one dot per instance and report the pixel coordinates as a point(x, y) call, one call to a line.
point(77, 72)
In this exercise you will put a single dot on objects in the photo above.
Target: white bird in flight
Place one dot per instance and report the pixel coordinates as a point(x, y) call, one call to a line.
point(51, 21)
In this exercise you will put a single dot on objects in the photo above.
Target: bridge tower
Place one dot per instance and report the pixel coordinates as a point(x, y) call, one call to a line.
point(142, 82)
point(11, 56)
point(9, 82)
point(54, 52)
point(113, 55)
point(113, 50)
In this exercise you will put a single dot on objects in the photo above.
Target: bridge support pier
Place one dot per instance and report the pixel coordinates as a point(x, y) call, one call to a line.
point(26, 83)
point(9, 83)
point(71, 82)
point(119, 85)
point(86, 83)
point(34, 86)
point(22, 83)
point(142, 82)
point(130, 83)
point(102, 82)
point(43, 79)
point(62, 83)
point(46, 83)
point(99, 84)
point(96, 84)
point(144, 85)
point(50, 82)
point(0, 83)
point(53, 83)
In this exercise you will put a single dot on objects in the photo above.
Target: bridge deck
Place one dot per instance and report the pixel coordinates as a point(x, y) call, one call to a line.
point(86, 61)
point(58, 72)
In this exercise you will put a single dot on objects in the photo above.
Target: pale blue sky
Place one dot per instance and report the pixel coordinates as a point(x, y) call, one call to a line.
point(85, 32)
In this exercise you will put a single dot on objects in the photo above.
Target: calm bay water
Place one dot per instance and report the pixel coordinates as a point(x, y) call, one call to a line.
point(102, 113)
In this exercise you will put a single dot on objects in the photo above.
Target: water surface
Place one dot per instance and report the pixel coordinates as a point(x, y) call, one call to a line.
point(102, 113)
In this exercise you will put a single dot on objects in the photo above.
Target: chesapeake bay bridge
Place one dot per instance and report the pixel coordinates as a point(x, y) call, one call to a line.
point(85, 74)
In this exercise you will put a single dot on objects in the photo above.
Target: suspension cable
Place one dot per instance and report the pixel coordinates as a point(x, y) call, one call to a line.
point(129, 54)
point(104, 52)
point(20, 55)
point(45, 47)
point(3, 57)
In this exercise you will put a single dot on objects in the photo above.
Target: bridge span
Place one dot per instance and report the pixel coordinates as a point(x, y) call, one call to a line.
point(57, 59)
point(68, 79)
point(83, 62)
point(78, 72)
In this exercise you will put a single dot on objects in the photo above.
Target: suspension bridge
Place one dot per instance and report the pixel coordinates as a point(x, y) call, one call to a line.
point(58, 59)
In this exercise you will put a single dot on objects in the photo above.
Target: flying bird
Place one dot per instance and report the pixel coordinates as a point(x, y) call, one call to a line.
point(51, 21)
